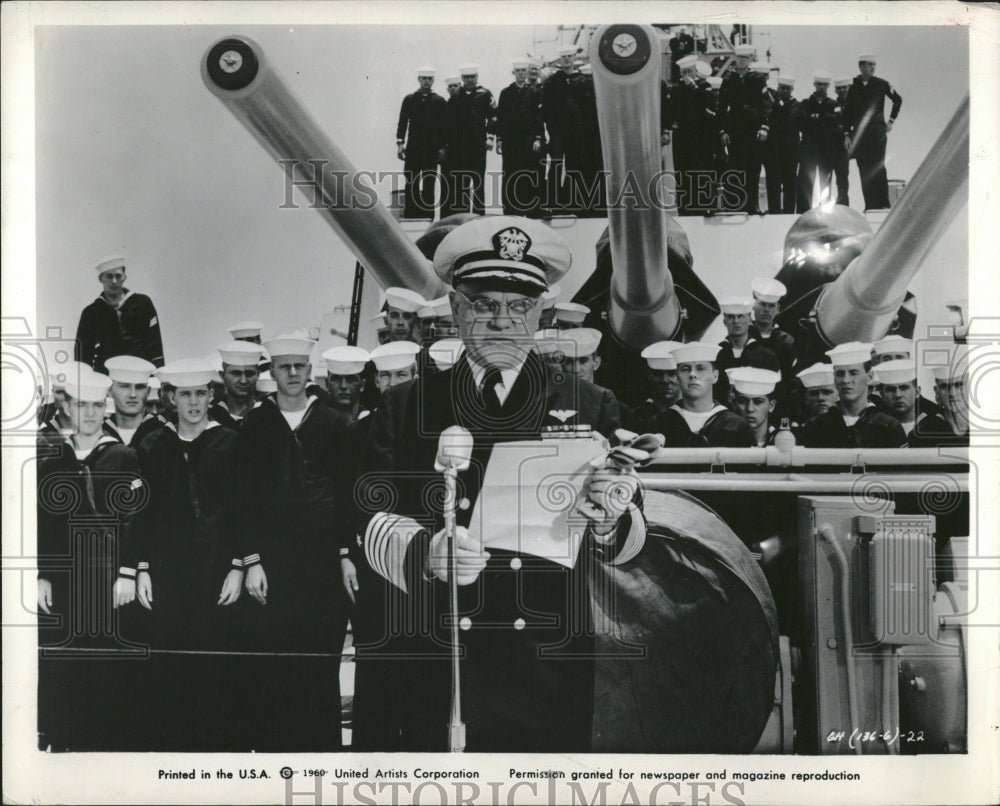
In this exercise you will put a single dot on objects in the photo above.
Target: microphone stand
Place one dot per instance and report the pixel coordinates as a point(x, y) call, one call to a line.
point(456, 728)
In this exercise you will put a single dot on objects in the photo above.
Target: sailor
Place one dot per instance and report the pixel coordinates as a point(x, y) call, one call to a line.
point(129, 389)
point(445, 353)
point(841, 163)
point(549, 299)
point(854, 421)
point(900, 394)
point(698, 421)
point(688, 111)
point(470, 126)
point(401, 307)
point(867, 129)
point(520, 140)
point(381, 326)
point(345, 382)
point(118, 322)
point(178, 565)
point(89, 488)
point(54, 423)
point(821, 138)
point(754, 401)
point(436, 320)
point(581, 357)
point(240, 370)
point(891, 348)
point(557, 113)
point(819, 393)
point(246, 331)
point(527, 673)
point(292, 490)
point(662, 383)
point(950, 427)
point(782, 155)
point(681, 45)
point(453, 84)
point(570, 315)
point(739, 348)
point(767, 296)
point(395, 363)
point(744, 110)
point(419, 139)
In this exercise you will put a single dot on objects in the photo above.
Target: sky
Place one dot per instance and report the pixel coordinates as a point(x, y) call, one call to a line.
point(135, 156)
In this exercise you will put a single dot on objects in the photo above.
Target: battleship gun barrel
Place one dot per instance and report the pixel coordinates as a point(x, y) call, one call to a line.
point(862, 302)
point(626, 69)
point(235, 70)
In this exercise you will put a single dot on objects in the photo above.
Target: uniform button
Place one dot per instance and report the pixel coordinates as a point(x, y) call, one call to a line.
point(515, 563)
point(519, 624)
point(465, 623)
point(464, 504)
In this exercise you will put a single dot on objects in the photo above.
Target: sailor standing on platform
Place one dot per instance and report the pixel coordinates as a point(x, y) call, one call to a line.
point(419, 139)
point(821, 139)
point(527, 673)
point(520, 140)
point(853, 422)
point(744, 110)
point(129, 390)
point(698, 421)
point(867, 129)
point(470, 125)
point(841, 163)
point(782, 149)
point(240, 368)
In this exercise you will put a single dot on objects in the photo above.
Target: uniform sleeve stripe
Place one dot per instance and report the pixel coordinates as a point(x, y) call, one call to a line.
point(143, 566)
point(387, 538)
point(126, 572)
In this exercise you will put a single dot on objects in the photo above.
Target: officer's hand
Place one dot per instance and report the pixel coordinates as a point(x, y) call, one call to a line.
point(762, 135)
point(401, 152)
point(256, 583)
point(350, 576)
point(725, 140)
point(231, 587)
point(888, 125)
point(144, 589)
point(470, 558)
point(606, 497)
point(124, 591)
point(44, 595)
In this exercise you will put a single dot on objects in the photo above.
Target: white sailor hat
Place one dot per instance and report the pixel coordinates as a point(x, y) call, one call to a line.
point(753, 381)
point(188, 372)
point(760, 67)
point(295, 343)
point(129, 369)
point(505, 249)
point(345, 360)
point(822, 76)
point(550, 296)
point(696, 351)
point(581, 341)
point(893, 344)
point(468, 69)
point(817, 375)
point(841, 81)
point(215, 360)
point(520, 64)
point(439, 308)
point(955, 370)
point(567, 50)
point(379, 320)
point(446, 352)
point(687, 61)
point(715, 82)
point(426, 71)
point(88, 386)
point(547, 340)
point(703, 69)
point(786, 81)
point(395, 355)
point(402, 299)
point(154, 388)
point(571, 312)
point(241, 353)
point(244, 330)
point(735, 305)
point(900, 370)
point(850, 354)
point(453, 80)
point(109, 263)
point(867, 57)
point(745, 50)
point(660, 355)
point(266, 384)
point(767, 290)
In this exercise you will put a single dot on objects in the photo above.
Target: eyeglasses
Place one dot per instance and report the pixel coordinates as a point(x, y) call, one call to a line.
point(484, 306)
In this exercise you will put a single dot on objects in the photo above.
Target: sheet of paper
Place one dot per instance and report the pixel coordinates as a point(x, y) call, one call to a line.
point(529, 495)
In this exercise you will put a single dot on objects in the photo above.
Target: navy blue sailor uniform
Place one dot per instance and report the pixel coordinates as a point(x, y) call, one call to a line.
point(519, 127)
point(421, 125)
point(528, 670)
point(292, 491)
point(744, 109)
point(106, 331)
point(753, 354)
point(865, 122)
point(471, 115)
point(722, 429)
point(822, 140)
point(873, 429)
point(149, 424)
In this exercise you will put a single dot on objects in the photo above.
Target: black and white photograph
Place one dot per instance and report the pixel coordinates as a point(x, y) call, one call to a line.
point(500, 403)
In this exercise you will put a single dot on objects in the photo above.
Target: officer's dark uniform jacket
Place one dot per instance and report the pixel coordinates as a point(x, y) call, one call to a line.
point(132, 328)
point(528, 675)
point(872, 430)
point(148, 425)
point(422, 125)
point(722, 430)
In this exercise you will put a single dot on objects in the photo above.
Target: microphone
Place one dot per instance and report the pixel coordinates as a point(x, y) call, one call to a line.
point(454, 449)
